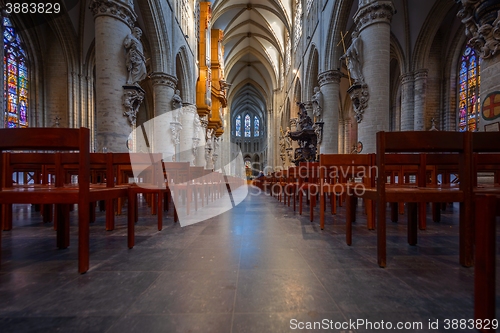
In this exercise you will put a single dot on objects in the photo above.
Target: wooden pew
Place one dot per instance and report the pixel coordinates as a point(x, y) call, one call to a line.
point(291, 186)
point(424, 142)
point(486, 149)
point(308, 185)
point(60, 139)
point(338, 174)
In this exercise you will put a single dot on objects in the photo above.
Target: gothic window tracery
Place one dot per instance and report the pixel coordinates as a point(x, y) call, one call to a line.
point(238, 125)
point(297, 22)
point(183, 15)
point(256, 126)
point(309, 5)
point(468, 91)
point(248, 131)
point(288, 55)
point(15, 78)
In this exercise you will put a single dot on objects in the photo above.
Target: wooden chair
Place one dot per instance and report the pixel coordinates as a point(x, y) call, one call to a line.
point(445, 166)
point(426, 142)
point(26, 163)
point(177, 175)
point(103, 173)
point(291, 185)
point(486, 149)
point(308, 185)
point(485, 257)
point(279, 184)
point(200, 185)
point(342, 174)
point(149, 168)
point(213, 183)
point(58, 139)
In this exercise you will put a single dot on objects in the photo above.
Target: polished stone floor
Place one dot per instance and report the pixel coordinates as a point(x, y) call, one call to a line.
point(259, 267)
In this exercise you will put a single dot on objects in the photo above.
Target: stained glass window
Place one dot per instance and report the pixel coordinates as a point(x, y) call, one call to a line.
point(256, 126)
point(309, 5)
point(248, 132)
point(468, 91)
point(288, 55)
point(297, 23)
point(238, 125)
point(15, 78)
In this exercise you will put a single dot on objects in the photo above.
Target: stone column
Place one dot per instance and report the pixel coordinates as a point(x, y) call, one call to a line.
point(270, 138)
point(347, 136)
point(198, 140)
point(216, 155)
point(200, 151)
point(420, 89)
point(407, 101)
point(329, 83)
point(114, 20)
point(341, 135)
point(163, 91)
point(189, 112)
point(373, 20)
point(482, 22)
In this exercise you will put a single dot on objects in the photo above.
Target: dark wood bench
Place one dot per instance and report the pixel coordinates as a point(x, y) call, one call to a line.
point(83, 194)
point(340, 175)
point(423, 142)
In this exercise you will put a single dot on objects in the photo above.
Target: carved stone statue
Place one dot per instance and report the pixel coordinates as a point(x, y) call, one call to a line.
point(317, 103)
point(176, 100)
point(484, 34)
point(282, 142)
point(288, 139)
point(177, 106)
point(135, 60)
point(305, 122)
point(209, 139)
point(306, 138)
point(353, 58)
point(132, 100)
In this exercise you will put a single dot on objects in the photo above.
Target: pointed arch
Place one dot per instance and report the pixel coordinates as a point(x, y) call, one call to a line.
point(312, 71)
point(157, 33)
point(297, 97)
point(428, 32)
point(15, 85)
point(184, 75)
point(468, 90)
point(338, 22)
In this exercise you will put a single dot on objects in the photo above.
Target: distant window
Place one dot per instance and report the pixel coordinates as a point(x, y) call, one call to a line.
point(297, 24)
point(238, 125)
point(288, 55)
point(15, 78)
point(309, 5)
point(468, 91)
point(256, 126)
point(248, 131)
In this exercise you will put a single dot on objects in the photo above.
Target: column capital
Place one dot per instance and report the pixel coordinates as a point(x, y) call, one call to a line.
point(421, 74)
point(374, 12)
point(331, 76)
point(163, 79)
point(407, 78)
point(482, 23)
point(122, 10)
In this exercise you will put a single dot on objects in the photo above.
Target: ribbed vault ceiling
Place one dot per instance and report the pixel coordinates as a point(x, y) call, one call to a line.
point(254, 42)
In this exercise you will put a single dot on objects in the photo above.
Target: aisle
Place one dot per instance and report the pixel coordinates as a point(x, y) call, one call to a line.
point(257, 268)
